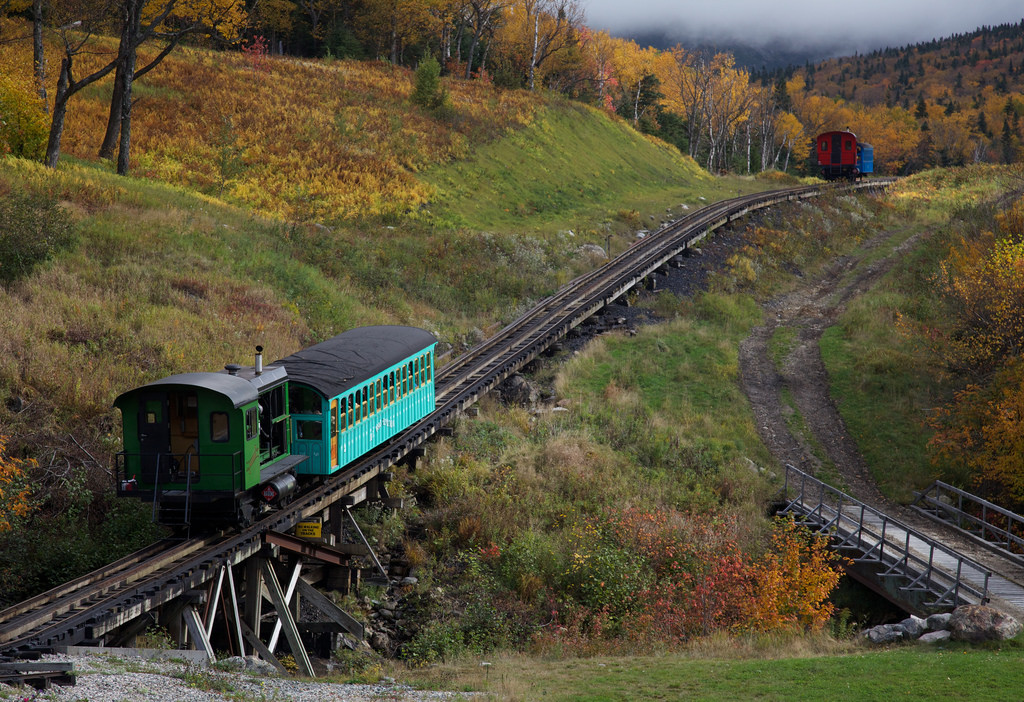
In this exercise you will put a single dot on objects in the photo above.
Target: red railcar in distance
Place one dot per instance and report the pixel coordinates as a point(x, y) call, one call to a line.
point(840, 156)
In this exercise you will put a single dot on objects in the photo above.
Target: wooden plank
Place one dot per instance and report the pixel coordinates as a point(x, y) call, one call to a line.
point(36, 667)
point(335, 555)
point(261, 648)
point(331, 610)
point(236, 617)
point(198, 632)
point(287, 598)
point(285, 617)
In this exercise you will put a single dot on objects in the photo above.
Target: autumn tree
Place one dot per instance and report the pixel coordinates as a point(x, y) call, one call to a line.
point(168, 21)
point(982, 430)
point(389, 26)
point(534, 31)
point(77, 21)
point(482, 17)
point(686, 81)
point(634, 71)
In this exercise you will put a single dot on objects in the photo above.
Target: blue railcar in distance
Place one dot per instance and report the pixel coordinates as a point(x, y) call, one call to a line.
point(865, 159)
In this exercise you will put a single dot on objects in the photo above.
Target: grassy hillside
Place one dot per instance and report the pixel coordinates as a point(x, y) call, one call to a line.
point(572, 164)
point(277, 208)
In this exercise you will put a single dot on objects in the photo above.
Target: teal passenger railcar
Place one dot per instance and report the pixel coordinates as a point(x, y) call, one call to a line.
point(219, 447)
point(345, 400)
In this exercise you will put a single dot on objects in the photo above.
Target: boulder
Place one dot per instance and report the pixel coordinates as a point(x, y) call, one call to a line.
point(247, 664)
point(914, 626)
point(934, 637)
point(380, 642)
point(518, 391)
point(938, 622)
point(594, 251)
point(977, 623)
point(885, 633)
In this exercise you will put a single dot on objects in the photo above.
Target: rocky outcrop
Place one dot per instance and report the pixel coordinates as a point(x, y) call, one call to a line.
point(973, 623)
point(517, 390)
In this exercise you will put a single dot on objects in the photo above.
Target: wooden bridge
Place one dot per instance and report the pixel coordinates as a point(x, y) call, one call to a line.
point(917, 569)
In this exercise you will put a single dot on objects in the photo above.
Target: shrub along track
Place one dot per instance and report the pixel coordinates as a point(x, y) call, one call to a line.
point(810, 310)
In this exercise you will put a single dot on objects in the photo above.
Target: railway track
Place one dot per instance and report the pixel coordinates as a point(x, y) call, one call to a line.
point(91, 607)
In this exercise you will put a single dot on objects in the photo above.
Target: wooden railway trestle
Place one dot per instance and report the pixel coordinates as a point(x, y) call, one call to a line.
point(77, 614)
point(907, 567)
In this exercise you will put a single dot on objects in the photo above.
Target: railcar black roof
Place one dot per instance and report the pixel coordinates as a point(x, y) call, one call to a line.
point(342, 362)
point(236, 389)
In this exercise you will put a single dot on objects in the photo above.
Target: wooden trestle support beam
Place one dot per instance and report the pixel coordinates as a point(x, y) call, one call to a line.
point(273, 575)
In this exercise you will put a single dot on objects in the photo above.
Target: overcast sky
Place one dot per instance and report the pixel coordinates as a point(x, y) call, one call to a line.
point(873, 24)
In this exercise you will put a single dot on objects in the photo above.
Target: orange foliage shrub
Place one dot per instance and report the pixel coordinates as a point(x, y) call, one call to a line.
point(793, 580)
point(14, 487)
point(687, 576)
point(984, 282)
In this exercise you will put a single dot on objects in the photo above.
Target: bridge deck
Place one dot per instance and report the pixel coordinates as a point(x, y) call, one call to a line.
point(919, 570)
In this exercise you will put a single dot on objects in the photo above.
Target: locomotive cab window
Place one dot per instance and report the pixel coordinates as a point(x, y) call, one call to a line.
point(824, 145)
point(251, 423)
point(219, 427)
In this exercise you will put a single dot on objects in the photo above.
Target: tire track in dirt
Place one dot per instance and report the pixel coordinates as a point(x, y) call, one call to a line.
point(810, 310)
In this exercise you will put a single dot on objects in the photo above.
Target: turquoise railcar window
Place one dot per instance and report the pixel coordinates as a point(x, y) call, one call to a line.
point(220, 428)
point(310, 429)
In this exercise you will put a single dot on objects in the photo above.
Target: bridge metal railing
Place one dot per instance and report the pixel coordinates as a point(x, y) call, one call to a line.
point(977, 517)
point(924, 564)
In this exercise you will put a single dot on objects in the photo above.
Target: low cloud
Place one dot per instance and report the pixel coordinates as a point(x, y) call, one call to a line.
point(872, 24)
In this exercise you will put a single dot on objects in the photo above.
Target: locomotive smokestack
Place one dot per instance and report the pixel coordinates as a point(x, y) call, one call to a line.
point(259, 360)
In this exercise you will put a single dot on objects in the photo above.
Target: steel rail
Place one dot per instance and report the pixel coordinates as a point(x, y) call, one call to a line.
point(98, 608)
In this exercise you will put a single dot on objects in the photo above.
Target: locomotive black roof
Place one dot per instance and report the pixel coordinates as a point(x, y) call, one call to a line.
point(238, 390)
point(344, 361)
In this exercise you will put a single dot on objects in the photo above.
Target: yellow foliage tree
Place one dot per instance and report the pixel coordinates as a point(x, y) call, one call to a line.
point(792, 581)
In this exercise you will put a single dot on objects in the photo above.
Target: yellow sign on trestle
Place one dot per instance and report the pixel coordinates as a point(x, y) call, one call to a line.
point(309, 530)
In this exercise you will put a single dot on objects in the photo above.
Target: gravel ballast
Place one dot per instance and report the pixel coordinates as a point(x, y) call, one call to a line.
point(104, 678)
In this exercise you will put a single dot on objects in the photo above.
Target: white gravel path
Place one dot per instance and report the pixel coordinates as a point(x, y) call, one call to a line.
point(110, 679)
